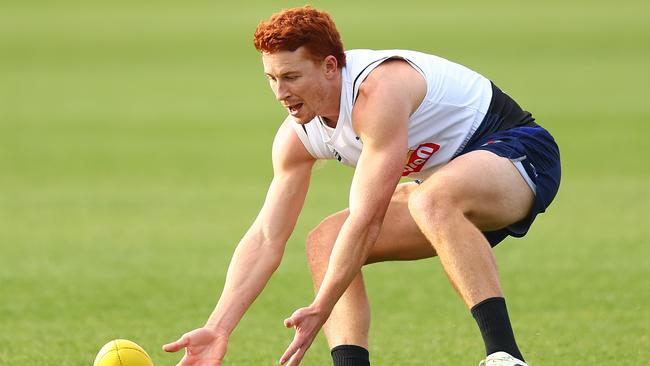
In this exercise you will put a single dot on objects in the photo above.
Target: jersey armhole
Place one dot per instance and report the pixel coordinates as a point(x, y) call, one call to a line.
point(310, 138)
point(370, 67)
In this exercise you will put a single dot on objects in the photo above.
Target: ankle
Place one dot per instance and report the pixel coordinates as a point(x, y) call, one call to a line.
point(350, 355)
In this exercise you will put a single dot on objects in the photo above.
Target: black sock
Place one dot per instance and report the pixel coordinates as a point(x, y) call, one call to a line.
point(350, 355)
point(492, 318)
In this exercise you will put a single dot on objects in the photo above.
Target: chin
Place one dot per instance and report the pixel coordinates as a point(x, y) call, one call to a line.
point(303, 120)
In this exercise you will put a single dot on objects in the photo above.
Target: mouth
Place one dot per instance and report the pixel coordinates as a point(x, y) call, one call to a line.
point(294, 109)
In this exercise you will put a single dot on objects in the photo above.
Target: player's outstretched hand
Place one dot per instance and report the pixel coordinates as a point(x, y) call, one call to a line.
point(203, 347)
point(307, 322)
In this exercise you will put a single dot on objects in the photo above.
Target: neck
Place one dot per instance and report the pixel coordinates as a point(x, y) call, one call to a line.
point(333, 105)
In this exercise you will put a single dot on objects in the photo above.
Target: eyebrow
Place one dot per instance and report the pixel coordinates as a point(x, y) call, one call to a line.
point(283, 74)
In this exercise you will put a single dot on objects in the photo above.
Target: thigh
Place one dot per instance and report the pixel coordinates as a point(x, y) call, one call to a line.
point(399, 238)
point(488, 188)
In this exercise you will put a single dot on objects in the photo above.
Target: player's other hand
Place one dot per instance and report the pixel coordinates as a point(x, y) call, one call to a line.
point(203, 347)
point(307, 322)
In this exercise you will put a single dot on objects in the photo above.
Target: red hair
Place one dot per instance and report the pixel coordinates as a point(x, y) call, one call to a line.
point(306, 26)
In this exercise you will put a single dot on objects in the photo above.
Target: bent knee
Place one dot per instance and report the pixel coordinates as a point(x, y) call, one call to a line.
point(320, 240)
point(435, 201)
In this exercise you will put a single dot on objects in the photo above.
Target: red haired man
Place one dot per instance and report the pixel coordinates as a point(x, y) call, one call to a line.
point(482, 169)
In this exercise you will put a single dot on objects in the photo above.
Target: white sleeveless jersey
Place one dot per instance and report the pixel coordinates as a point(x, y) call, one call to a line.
point(456, 101)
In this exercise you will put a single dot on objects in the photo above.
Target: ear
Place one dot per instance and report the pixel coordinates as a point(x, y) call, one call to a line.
point(330, 66)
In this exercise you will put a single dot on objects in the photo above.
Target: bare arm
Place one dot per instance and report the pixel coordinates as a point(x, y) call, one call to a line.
point(380, 116)
point(260, 251)
point(258, 254)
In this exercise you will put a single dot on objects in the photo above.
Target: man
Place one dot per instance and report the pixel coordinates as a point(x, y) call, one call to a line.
point(483, 169)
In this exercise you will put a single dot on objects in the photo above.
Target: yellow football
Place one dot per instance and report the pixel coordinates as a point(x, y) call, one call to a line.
point(120, 352)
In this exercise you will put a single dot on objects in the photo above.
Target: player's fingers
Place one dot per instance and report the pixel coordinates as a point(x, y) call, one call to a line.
point(183, 342)
point(288, 323)
point(182, 361)
point(291, 350)
point(292, 321)
point(297, 357)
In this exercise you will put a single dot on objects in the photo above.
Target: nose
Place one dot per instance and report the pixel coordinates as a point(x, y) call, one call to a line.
point(281, 91)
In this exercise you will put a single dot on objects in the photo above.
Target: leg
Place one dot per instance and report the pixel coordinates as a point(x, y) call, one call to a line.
point(400, 239)
point(349, 322)
point(476, 191)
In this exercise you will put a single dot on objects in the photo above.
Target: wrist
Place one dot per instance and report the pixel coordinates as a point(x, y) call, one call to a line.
point(321, 307)
point(218, 328)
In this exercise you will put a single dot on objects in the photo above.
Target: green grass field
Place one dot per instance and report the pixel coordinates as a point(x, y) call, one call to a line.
point(135, 151)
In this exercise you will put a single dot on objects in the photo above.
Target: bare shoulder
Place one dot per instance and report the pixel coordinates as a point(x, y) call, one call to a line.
point(395, 68)
point(387, 98)
point(395, 79)
point(288, 151)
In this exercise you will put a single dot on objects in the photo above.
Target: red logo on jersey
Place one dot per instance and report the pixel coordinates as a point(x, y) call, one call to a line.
point(415, 159)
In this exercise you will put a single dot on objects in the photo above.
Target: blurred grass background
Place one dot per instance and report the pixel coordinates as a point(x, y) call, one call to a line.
point(135, 151)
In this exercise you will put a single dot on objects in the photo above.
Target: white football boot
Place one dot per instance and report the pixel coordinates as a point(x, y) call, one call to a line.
point(501, 359)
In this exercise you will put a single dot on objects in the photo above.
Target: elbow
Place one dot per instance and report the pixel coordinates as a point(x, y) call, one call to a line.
point(275, 257)
point(372, 219)
point(272, 250)
point(262, 251)
point(367, 225)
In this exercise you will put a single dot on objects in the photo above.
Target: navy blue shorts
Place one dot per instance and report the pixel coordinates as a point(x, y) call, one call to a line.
point(534, 151)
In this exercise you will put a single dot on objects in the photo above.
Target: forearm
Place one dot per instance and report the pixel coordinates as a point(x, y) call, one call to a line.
point(260, 252)
point(348, 255)
point(251, 267)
